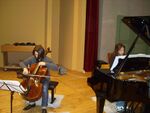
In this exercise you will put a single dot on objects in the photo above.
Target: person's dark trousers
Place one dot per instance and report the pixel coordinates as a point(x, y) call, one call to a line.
point(45, 95)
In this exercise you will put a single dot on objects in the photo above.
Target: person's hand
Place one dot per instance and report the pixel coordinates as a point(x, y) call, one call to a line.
point(41, 63)
point(31, 78)
point(25, 71)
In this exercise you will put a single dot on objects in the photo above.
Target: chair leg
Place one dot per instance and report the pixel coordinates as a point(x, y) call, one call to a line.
point(52, 96)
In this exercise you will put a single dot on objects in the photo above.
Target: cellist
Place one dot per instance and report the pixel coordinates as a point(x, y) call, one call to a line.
point(41, 59)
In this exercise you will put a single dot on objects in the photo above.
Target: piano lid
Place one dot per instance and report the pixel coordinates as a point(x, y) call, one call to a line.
point(140, 25)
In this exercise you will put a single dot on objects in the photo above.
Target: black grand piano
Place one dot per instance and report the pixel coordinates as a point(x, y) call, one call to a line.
point(130, 79)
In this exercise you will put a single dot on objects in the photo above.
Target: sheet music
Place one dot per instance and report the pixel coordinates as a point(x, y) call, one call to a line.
point(11, 85)
point(116, 60)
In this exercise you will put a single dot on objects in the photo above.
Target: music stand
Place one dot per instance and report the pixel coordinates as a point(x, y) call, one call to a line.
point(12, 86)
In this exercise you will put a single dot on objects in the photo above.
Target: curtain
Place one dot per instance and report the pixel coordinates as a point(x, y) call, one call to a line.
point(91, 34)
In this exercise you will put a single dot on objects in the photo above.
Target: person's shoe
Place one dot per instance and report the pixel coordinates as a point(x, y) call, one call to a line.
point(44, 111)
point(29, 106)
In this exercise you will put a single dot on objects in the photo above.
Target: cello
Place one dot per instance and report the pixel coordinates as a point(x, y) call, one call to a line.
point(32, 82)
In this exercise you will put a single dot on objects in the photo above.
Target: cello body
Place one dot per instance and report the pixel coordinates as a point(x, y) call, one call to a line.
point(33, 85)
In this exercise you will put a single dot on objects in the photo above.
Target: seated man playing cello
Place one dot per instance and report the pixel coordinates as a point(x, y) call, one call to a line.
point(39, 57)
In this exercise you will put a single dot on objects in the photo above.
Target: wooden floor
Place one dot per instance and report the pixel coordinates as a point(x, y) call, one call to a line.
point(73, 85)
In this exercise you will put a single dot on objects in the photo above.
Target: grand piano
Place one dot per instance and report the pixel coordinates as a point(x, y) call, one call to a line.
point(129, 80)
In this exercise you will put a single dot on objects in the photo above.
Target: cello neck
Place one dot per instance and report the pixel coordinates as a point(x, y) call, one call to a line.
point(47, 51)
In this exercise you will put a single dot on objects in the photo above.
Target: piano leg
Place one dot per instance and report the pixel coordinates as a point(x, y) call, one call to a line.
point(100, 104)
point(147, 108)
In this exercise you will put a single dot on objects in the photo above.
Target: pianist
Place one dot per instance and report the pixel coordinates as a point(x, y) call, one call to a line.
point(118, 51)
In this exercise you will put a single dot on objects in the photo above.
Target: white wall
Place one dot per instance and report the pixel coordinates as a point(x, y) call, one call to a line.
point(72, 34)
point(58, 24)
point(55, 30)
point(109, 11)
point(22, 21)
point(66, 33)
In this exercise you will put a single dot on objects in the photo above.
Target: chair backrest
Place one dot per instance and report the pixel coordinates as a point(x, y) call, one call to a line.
point(109, 57)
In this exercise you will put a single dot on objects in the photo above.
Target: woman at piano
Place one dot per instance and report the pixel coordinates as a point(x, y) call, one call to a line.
point(118, 51)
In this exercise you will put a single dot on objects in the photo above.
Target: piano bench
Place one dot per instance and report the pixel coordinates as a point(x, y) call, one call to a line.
point(52, 86)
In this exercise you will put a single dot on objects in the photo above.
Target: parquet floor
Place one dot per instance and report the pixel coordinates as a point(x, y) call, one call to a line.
point(73, 85)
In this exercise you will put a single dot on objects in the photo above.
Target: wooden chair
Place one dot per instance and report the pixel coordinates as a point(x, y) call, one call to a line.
point(109, 57)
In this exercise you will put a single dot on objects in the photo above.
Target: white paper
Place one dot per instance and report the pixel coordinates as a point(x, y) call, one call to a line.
point(116, 60)
point(11, 85)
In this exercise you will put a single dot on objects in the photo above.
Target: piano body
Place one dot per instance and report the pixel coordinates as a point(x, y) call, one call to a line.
point(130, 79)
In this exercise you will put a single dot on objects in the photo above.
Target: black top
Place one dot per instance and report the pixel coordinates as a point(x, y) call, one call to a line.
point(140, 25)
